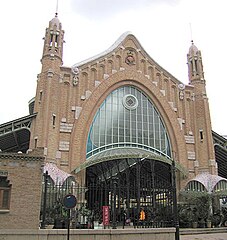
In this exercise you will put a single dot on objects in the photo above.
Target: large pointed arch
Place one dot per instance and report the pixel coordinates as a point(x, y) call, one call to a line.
point(127, 118)
point(139, 81)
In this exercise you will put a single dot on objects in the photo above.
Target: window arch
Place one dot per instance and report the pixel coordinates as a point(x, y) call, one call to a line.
point(127, 118)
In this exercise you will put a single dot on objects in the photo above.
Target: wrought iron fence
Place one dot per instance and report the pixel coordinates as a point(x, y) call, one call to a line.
point(113, 203)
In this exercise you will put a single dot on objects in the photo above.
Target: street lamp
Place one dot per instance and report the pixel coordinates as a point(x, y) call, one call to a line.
point(175, 211)
point(114, 226)
point(43, 223)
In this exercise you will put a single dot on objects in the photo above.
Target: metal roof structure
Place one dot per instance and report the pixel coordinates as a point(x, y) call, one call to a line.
point(220, 147)
point(15, 135)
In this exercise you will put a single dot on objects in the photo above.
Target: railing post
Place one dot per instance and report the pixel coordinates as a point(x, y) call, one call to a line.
point(43, 223)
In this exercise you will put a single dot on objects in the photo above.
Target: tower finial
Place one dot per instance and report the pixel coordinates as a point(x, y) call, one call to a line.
point(190, 26)
point(56, 13)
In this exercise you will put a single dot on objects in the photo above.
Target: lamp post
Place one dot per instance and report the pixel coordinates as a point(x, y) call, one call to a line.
point(43, 223)
point(114, 226)
point(175, 211)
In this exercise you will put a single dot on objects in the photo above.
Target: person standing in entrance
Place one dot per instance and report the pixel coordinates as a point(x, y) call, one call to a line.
point(142, 217)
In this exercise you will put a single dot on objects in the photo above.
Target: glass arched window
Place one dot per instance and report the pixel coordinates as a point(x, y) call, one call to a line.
point(195, 186)
point(127, 118)
point(220, 186)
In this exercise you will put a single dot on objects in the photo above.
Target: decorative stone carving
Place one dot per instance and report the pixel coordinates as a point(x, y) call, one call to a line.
point(130, 60)
point(181, 87)
point(75, 80)
point(75, 71)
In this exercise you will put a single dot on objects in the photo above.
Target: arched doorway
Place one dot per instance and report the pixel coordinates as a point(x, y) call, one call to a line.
point(128, 186)
point(128, 161)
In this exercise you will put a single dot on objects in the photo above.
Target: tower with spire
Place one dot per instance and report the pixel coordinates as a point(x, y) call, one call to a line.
point(53, 45)
point(202, 121)
point(45, 127)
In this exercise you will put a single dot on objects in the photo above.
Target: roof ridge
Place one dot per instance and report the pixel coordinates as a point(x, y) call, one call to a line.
point(110, 49)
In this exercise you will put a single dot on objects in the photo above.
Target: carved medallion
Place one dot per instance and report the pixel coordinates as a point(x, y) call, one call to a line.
point(75, 70)
point(130, 60)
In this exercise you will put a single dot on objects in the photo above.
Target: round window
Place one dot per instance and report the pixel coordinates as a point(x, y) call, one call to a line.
point(130, 102)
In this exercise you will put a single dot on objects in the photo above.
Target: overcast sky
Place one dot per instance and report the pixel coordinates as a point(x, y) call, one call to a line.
point(92, 26)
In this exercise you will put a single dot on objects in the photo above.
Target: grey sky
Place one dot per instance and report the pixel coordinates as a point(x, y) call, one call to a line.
point(92, 26)
point(102, 9)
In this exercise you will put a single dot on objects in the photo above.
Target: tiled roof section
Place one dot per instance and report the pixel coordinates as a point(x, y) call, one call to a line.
point(209, 181)
point(56, 174)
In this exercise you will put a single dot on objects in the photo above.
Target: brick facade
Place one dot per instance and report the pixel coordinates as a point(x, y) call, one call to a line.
point(67, 99)
point(24, 172)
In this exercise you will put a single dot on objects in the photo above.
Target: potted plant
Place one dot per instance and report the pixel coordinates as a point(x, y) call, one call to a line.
point(195, 218)
point(209, 223)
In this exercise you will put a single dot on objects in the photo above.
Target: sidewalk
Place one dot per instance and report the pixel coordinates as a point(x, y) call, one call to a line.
point(204, 234)
point(207, 236)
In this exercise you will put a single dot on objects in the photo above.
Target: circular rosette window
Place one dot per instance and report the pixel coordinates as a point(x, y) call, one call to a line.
point(130, 102)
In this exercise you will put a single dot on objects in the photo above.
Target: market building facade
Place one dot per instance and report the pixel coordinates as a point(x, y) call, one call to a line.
point(120, 121)
point(120, 100)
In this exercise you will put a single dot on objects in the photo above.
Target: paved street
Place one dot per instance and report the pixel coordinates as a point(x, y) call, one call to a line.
point(208, 236)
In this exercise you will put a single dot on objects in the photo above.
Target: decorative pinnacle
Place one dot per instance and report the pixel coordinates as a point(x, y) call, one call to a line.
point(56, 13)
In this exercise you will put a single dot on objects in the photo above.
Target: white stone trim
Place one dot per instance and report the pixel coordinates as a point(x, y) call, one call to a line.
point(172, 106)
point(87, 94)
point(105, 76)
point(97, 83)
point(64, 146)
point(212, 162)
point(196, 163)
point(181, 122)
point(163, 92)
point(191, 155)
point(66, 127)
point(58, 155)
point(189, 139)
point(77, 112)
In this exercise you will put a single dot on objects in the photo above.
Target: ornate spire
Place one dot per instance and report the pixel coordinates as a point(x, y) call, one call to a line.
point(195, 65)
point(54, 39)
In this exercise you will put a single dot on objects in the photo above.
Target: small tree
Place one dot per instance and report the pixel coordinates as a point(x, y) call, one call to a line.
point(199, 203)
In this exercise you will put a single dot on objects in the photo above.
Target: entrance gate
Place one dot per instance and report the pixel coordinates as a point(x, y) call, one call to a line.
point(129, 187)
point(135, 192)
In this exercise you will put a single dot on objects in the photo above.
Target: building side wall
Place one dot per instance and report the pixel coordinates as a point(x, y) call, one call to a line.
point(24, 171)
